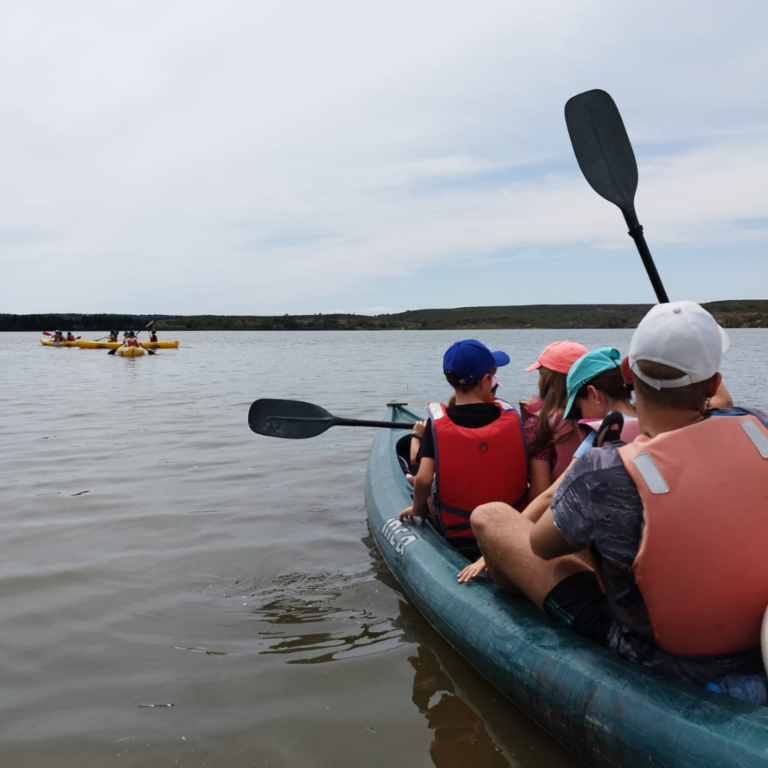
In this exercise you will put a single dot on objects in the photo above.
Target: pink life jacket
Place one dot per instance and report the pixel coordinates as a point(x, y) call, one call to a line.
point(629, 431)
point(476, 466)
point(702, 568)
point(564, 448)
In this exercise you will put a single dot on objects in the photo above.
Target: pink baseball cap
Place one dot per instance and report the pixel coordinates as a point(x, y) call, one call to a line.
point(559, 356)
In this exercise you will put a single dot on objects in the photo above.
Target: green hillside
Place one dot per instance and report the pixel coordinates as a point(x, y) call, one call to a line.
point(743, 313)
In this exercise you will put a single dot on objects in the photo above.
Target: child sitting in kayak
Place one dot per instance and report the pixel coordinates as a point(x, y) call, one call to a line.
point(131, 340)
point(71, 336)
point(471, 450)
point(552, 438)
point(420, 426)
point(153, 335)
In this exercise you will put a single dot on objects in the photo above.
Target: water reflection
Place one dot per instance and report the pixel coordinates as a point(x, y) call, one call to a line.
point(460, 736)
point(297, 604)
point(317, 618)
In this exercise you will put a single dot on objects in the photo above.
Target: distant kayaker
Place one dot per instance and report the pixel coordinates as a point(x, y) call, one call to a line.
point(114, 335)
point(675, 520)
point(551, 437)
point(153, 335)
point(471, 450)
point(71, 336)
point(58, 336)
point(131, 340)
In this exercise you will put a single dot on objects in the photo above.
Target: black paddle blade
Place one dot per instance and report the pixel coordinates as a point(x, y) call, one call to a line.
point(602, 147)
point(292, 419)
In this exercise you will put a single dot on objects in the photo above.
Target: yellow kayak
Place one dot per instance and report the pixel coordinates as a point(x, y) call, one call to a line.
point(86, 344)
point(131, 351)
point(50, 343)
point(160, 344)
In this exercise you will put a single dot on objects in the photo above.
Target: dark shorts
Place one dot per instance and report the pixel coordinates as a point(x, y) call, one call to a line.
point(579, 604)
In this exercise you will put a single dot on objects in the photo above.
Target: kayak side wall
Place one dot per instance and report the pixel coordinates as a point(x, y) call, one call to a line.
point(608, 711)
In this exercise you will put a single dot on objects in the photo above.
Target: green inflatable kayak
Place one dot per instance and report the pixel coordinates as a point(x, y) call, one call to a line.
point(608, 711)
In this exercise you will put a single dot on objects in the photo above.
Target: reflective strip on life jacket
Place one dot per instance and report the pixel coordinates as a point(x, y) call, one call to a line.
point(702, 567)
point(476, 466)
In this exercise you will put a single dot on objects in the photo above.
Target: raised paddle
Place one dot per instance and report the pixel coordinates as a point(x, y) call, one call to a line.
point(297, 420)
point(606, 159)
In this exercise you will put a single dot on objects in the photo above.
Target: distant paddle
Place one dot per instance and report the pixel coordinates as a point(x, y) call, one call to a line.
point(297, 420)
point(606, 159)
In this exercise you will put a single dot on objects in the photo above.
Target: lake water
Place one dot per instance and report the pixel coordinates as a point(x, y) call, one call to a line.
point(156, 551)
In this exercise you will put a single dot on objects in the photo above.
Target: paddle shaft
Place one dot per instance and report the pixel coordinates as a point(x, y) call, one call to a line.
point(365, 423)
point(636, 233)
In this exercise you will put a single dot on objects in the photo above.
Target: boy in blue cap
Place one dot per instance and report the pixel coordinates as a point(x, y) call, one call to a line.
point(470, 451)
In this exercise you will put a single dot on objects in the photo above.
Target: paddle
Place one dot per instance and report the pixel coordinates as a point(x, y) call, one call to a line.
point(606, 159)
point(297, 420)
point(149, 351)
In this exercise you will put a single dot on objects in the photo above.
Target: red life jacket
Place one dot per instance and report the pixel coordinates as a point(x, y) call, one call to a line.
point(132, 342)
point(476, 466)
point(702, 568)
point(564, 447)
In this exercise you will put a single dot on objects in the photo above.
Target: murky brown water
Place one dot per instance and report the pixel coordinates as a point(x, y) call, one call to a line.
point(155, 551)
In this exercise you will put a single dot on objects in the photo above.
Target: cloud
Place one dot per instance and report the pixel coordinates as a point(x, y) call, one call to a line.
point(242, 158)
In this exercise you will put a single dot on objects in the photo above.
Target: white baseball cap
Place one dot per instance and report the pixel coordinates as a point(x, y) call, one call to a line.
point(682, 335)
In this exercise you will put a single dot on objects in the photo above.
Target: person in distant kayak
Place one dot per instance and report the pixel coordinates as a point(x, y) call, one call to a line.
point(153, 335)
point(675, 520)
point(58, 336)
point(471, 451)
point(114, 335)
point(131, 340)
point(71, 336)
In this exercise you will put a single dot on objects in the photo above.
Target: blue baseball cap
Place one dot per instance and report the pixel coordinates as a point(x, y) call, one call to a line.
point(469, 360)
point(586, 368)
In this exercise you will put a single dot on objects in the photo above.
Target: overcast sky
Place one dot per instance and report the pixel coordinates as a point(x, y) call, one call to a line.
point(367, 156)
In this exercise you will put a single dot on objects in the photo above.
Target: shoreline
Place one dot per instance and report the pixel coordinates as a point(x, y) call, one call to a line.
point(738, 313)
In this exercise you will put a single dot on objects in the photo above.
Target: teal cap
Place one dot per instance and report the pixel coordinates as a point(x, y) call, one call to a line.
point(586, 368)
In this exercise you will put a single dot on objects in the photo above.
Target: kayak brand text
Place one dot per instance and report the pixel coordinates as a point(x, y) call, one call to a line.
point(398, 535)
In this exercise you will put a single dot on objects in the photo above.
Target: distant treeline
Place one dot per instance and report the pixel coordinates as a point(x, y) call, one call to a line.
point(743, 313)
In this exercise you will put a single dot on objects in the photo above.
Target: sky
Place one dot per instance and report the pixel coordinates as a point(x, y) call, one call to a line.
point(305, 157)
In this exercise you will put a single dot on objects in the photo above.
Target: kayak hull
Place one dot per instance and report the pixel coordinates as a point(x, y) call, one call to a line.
point(50, 343)
point(605, 709)
point(174, 344)
point(86, 344)
point(131, 351)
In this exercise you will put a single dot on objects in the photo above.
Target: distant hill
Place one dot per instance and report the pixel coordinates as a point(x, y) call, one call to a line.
point(742, 313)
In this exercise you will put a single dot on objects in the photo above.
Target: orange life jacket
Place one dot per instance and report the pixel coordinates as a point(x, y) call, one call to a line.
point(564, 447)
point(476, 466)
point(702, 567)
